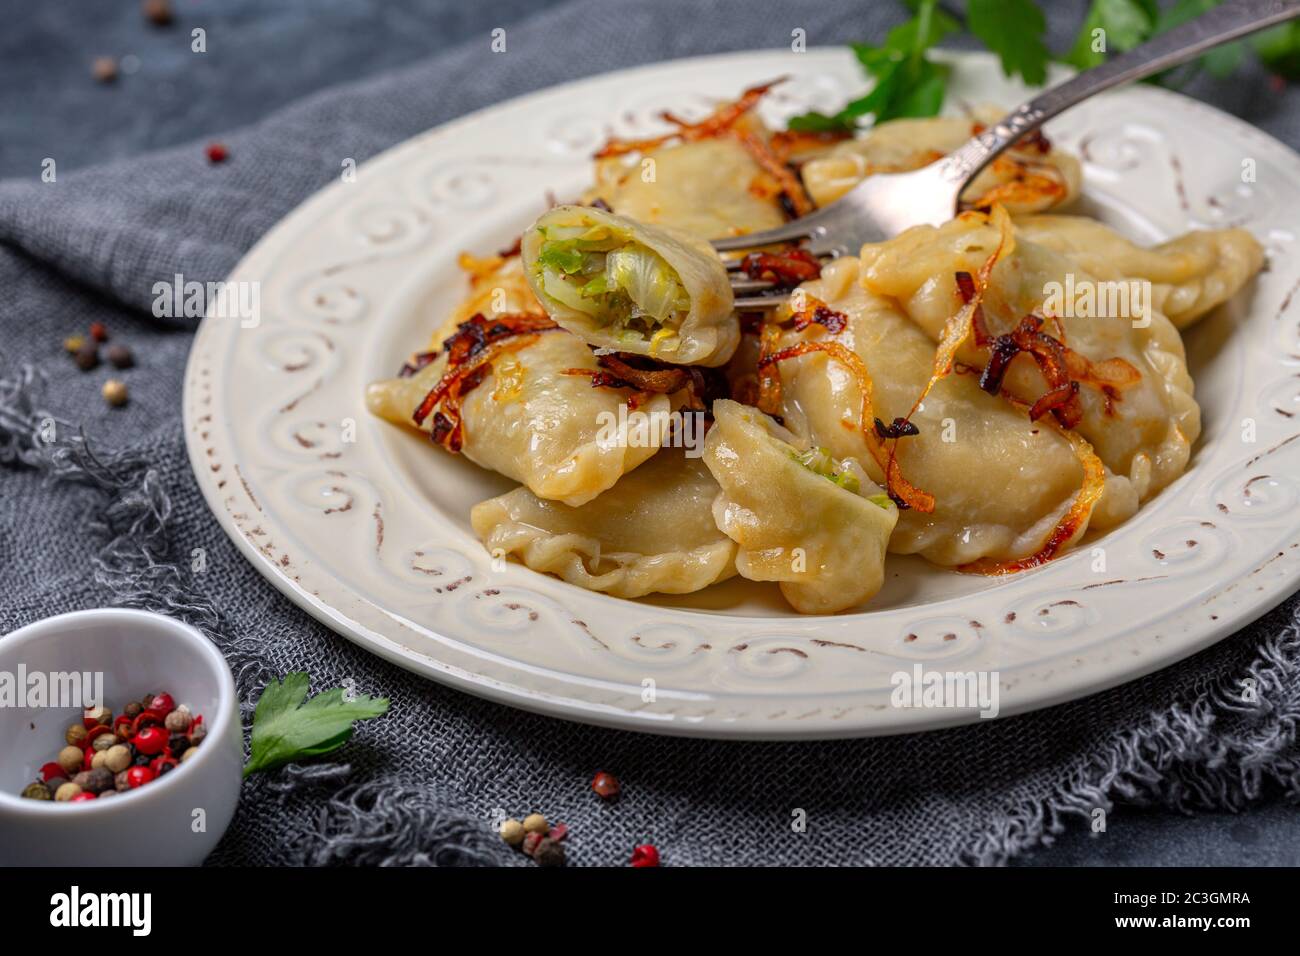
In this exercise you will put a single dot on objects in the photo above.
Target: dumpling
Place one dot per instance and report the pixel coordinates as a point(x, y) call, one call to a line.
point(651, 532)
point(711, 188)
point(716, 178)
point(1123, 380)
point(1003, 487)
point(623, 285)
point(1029, 177)
point(533, 416)
point(1190, 275)
point(818, 527)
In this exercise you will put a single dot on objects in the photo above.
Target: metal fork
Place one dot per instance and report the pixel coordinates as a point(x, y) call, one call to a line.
point(884, 205)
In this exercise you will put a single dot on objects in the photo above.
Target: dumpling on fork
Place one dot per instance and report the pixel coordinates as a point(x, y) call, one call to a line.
point(620, 284)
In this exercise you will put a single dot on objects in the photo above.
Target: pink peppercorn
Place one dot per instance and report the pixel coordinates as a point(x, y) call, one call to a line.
point(138, 777)
point(150, 740)
point(645, 855)
point(531, 841)
point(606, 785)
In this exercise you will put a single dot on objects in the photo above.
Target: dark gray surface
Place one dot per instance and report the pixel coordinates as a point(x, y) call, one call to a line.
point(260, 56)
point(98, 233)
point(1264, 836)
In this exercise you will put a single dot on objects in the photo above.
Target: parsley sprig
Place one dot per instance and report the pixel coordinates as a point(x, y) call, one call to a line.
point(907, 83)
point(287, 726)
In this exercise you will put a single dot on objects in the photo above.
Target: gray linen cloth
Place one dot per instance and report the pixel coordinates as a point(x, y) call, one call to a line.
point(110, 514)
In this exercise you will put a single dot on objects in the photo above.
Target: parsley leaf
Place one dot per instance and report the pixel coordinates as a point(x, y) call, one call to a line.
point(1222, 62)
point(907, 84)
point(927, 86)
point(287, 726)
point(1279, 48)
point(1124, 24)
point(1013, 29)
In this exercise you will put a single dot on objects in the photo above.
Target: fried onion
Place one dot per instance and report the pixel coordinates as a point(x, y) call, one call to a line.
point(470, 351)
point(717, 123)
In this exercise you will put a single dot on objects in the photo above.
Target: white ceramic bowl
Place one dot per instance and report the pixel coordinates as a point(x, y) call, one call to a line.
point(174, 821)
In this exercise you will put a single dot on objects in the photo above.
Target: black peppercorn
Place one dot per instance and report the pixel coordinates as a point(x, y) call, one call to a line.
point(104, 69)
point(179, 743)
point(87, 356)
point(141, 760)
point(94, 781)
point(119, 356)
point(549, 853)
point(133, 709)
point(157, 12)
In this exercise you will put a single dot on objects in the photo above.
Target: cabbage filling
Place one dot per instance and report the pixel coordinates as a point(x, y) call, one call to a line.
point(820, 462)
point(620, 283)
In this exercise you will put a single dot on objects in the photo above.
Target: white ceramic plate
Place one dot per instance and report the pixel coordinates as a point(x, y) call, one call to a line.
point(367, 527)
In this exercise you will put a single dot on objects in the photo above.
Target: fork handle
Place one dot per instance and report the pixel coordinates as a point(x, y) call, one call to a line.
point(1220, 25)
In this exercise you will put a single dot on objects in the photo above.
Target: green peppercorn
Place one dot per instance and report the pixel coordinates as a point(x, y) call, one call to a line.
point(66, 792)
point(133, 709)
point(120, 782)
point(198, 734)
point(104, 742)
point(115, 392)
point(178, 721)
point(189, 753)
point(71, 759)
point(37, 791)
point(76, 735)
point(117, 758)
